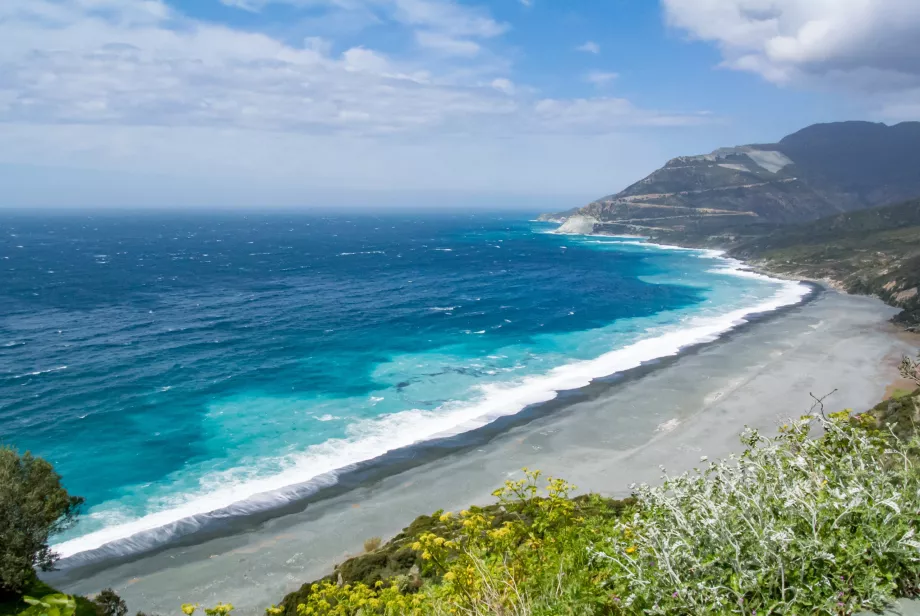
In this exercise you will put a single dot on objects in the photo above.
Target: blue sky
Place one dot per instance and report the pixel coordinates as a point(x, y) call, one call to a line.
point(491, 103)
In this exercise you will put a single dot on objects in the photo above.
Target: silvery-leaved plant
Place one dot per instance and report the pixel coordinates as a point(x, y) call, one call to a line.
point(795, 525)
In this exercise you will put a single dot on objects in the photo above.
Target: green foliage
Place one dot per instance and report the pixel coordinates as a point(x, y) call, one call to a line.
point(13, 603)
point(110, 604)
point(396, 562)
point(50, 605)
point(36, 588)
point(796, 525)
point(529, 554)
point(33, 506)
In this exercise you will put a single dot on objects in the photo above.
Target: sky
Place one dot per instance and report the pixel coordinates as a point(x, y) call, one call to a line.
point(539, 104)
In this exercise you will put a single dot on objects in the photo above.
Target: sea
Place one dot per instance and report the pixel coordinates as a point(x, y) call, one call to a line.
point(181, 366)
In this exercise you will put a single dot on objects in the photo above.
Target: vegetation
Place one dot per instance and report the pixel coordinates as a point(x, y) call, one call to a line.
point(51, 605)
point(16, 604)
point(398, 562)
point(797, 524)
point(33, 506)
point(872, 252)
point(108, 603)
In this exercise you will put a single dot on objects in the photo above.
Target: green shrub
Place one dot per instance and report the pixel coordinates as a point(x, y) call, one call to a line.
point(33, 506)
point(796, 525)
point(50, 605)
point(108, 603)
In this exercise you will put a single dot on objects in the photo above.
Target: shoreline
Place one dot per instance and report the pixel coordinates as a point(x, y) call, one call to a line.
point(236, 517)
point(213, 525)
point(604, 437)
point(106, 566)
point(759, 266)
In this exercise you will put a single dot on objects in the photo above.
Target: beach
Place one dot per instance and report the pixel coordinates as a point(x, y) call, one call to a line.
point(602, 438)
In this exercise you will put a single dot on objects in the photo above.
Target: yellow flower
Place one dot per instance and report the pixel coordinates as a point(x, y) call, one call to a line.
point(631, 549)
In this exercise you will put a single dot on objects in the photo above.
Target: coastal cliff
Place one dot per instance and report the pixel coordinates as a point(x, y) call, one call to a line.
point(867, 252)
point(813, 205)
point(819, 171)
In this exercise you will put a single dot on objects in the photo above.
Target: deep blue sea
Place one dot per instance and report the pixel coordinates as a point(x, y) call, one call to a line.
point(170, 364)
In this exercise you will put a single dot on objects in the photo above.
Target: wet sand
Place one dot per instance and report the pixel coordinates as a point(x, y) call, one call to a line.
point(601, 438)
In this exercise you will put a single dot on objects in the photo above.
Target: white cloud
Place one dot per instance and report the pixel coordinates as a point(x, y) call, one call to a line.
point(102, 71)
point(503, 85)
point(448, 17)
point(132, 86)
point(600, 114)
point(446, 44)
point(589, 47)
point(862, 46)
point(600, 78)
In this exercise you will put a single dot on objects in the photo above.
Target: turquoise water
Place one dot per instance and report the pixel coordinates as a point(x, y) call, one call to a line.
point(174, 366)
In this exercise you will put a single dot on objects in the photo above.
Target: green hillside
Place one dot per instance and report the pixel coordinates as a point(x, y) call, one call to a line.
point(874, 251)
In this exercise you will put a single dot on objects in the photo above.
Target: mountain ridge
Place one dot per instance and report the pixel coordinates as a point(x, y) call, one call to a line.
point(818, 171)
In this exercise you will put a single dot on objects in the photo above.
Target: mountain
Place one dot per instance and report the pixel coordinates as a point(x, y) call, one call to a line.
point(819, 171)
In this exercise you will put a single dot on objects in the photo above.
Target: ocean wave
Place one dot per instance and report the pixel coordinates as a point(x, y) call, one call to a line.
point(366, 252)
point(703, 253)
point(38, 372)
point(319, 465)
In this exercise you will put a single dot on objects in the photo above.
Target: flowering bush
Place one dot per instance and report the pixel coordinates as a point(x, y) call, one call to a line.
point(796, 525)
point(530, 556)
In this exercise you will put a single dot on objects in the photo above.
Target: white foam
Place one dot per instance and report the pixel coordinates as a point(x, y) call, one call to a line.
point(668, 425)
point(703, 253)
point(38, 372)
point(372, 438)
